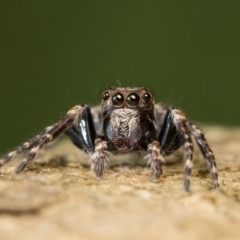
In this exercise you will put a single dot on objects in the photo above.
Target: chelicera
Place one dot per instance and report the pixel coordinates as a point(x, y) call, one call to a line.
point(127, 120)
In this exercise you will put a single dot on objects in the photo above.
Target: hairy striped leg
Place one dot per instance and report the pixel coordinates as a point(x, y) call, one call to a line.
point(99, 158)
point(24, 147)
point(180, 122)
point(156, 161)
point(206, 152)
point(43, 139)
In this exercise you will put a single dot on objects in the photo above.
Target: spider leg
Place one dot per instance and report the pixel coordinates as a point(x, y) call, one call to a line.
point(43, 139)
point(178, 119)
point(84, 136)
point(168, 140)
point(24, 147)
point(206, 152)
point(156, 160)
point(97, 119)
point(99, 158)
point(82, 132)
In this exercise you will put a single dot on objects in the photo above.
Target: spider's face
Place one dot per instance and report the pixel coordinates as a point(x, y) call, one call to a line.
point(128, 118)
point(127, 98)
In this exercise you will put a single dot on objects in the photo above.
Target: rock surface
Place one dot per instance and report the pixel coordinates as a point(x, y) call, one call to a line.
point(58, 198)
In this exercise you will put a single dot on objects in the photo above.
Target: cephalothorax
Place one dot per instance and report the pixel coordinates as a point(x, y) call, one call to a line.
point(128, 120)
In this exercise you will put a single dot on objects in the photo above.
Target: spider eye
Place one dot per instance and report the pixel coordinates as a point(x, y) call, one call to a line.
point(117, 99)
point(105, 96)
point(146, 97)
point(133, 99)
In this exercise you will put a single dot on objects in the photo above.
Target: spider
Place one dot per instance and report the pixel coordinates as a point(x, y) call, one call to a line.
point(127, 120)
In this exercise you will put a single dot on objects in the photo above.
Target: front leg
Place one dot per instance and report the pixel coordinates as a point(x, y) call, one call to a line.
point(82, 132)
point(180, 122)
point(175, 133)
point(99, 158)
point(156, 161)
point(84, 136)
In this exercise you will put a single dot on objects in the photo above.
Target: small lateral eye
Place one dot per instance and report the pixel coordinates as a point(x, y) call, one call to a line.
point(105, 96)
point(146, 97)
point(117, 99)
point(133, 99)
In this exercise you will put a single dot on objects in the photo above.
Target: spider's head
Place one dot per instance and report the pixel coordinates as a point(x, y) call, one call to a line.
point(139, 99)
point(128, 117)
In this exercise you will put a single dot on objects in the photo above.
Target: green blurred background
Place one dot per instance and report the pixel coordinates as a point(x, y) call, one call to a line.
point(55, 54)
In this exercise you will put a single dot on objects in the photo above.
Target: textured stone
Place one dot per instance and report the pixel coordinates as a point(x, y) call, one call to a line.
point(58, 198)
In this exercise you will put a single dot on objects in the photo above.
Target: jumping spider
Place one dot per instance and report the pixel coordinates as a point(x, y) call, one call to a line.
point(128, 120)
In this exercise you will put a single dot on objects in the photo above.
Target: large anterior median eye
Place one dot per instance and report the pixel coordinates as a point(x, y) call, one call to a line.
point(117, 99)
point(133, 99)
